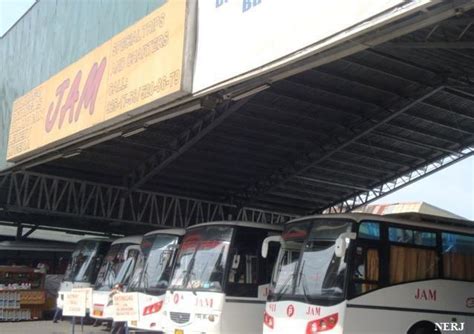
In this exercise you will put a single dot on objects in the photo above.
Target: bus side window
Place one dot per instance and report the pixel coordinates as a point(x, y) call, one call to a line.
point(458, 256)
point(244, 270)
point(369, 230)
point(366, 269)
point(246, 263)
point(409, 264)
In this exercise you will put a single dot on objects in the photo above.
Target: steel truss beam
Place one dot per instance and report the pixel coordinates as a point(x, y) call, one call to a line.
point(33, 193)
point(31, 230)
point(413, 142)
point(331, 183)
point(454, 42)
point(162, 158)
point(431, 45)
point(281, 175)
point(386, 187)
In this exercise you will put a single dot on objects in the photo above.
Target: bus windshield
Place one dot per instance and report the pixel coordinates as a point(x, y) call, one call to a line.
point(307, 267)
point(136, 277)
point(202, 258)
point(128, 267)
point(83, 262)
point(158, 251)
point(111, 266)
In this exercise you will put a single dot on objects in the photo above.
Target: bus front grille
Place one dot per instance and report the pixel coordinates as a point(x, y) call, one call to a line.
point(179, 317)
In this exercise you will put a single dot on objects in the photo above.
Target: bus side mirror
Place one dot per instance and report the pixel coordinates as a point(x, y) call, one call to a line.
point(342, 242)
point(173, 249)
point(129, 249)
point(266, 242)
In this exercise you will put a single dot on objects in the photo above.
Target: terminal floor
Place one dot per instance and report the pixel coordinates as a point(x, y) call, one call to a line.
point(46, 327)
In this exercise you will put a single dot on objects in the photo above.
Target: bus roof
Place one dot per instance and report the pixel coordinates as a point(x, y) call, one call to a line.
point(241, 223)
point(133, 239)
point(172, 231)
point(413, 219)
point(43, 246)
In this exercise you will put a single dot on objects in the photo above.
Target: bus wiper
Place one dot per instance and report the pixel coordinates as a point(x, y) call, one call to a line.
point(186, 274)
point(145, 277)
point(193, 290)
point(285, 287)
point(300, 278)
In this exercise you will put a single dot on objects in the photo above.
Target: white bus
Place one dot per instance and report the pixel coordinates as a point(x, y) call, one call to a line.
point(220, 279)
point(359, 273)
point(151, 278)
point(83, 267)
point(115, 271)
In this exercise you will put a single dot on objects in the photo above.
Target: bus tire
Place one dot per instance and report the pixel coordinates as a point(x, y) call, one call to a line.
point(423, 327)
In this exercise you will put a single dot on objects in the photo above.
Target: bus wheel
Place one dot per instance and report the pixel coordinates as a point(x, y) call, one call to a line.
point(423, 327)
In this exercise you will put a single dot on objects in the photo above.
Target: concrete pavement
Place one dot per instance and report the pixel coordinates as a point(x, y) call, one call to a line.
point(47, 327)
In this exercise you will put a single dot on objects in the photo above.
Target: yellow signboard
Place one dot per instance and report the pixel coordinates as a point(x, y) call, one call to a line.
point(142, 64)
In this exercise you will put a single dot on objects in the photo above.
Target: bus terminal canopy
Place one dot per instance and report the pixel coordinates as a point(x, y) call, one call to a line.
point(328, 132)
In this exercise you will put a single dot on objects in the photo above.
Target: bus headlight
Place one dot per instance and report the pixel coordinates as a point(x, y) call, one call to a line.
point(321, 325)
point(268, 320)
point(153, 308)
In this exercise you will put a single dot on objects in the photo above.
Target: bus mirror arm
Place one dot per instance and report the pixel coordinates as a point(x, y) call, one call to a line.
point(266, 242)
point(342, 243)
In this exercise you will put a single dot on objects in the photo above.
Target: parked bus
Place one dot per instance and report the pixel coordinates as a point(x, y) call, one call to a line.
point(359, 273)
point(84, 266)
point(220, 279)
point(151, 278)
point(114, 275)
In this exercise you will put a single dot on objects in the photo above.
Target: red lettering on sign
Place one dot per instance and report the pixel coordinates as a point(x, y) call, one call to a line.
point(313, 311)
point(425, 294)
point(91, 88)
point(71, 100)
point(87, 98)
point(272, 307)
point(204, 302)
point(51, 118)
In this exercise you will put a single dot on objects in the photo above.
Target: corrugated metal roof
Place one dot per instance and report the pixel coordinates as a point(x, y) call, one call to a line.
point(308, 116)
point(315, 138)
point(407, 207)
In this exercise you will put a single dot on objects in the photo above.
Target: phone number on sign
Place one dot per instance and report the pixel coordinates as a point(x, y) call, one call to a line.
point(144, 92)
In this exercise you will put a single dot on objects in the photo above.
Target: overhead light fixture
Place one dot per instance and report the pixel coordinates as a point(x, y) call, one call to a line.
point(249, 92)
point(39, 162)
point(100, 140)
point(71, 154)
point(188, 107)
point(133, 132)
